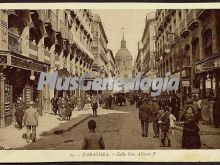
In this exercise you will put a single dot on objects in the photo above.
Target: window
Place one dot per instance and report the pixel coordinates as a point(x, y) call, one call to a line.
point(174, 23)
point(66, 19)
point(180, 15)
point(195, 49)
point(207, 42)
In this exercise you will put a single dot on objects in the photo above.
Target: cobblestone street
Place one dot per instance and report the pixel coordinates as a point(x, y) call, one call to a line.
point(120, 131)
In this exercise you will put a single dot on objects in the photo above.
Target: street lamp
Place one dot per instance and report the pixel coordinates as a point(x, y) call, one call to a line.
point(180, 59)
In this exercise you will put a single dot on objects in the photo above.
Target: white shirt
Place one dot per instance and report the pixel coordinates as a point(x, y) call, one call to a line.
point(172, 120)
point(199, 103)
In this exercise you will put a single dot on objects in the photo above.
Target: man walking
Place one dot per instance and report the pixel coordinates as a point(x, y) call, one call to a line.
point(94, 106)
point(144, 116)
point(31, 121)
point(155, 109)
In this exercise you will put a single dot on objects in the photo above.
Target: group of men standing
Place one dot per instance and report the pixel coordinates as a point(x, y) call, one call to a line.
point(151, 111)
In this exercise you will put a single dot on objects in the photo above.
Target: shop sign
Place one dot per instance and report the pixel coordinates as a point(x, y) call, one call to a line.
point(26, 64)
point(209, 65)
point(185, 83)
point(195, 91)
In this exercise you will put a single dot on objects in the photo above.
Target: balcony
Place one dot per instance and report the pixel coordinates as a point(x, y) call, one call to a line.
point(65, 32)
point(191, 20)
point(184, 32)
point(14, 43)
point(171, 40)
point(168, 15)
point(161, 27)
point(33, 46)
point(175, 37)
point(50, 20)
point(202, 14)
point(172, 11)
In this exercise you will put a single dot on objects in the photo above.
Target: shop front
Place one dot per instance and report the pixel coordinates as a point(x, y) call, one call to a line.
point(186, 83)
point(208, 75)
point(19, 77)
point(63, 93)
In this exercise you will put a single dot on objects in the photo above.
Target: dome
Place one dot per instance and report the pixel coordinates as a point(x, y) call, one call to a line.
point(123, 53)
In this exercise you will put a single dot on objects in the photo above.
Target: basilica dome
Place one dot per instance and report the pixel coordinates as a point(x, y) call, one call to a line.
point(123, 52)
point(124, 60)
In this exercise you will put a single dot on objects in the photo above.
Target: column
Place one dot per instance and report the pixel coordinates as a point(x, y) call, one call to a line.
point(203, 85)
point(214, 21)
point(73, 66)
point(2, 99)
point(217, 83)
point(200, 48)
point(68, 63)
point(61, 61)
point(3, 30)
point(25, 41)
point(40, 52)
point(51, 70)
point(192, 68)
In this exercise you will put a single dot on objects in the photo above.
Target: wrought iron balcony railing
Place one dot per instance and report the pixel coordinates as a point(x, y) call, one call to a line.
point(14, 43)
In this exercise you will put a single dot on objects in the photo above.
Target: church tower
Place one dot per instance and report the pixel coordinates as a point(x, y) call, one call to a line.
point(124, 60)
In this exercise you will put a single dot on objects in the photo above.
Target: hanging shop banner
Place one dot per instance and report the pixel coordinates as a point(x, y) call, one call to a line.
point(208, 65)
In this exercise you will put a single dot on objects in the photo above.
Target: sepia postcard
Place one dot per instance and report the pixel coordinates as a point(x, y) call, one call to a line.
point(109, 82)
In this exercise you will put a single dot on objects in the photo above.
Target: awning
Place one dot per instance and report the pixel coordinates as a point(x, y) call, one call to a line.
point(63, 73)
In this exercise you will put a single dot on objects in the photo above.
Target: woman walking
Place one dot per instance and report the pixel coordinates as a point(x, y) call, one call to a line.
point(190, 137)
point(63, 108)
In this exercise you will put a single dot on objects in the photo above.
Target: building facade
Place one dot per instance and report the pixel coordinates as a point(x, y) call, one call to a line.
point(34, 41)
point(194, 47)
point(99, 47)
point(146, 58)
point(112, 70)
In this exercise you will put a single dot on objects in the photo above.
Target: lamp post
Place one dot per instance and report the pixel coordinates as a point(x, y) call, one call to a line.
point(180, 59)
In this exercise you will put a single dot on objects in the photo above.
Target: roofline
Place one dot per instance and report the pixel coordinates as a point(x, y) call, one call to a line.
point(111, 53)
point(147, 23)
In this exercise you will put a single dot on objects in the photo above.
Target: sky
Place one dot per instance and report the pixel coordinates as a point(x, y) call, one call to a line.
point(133, 22)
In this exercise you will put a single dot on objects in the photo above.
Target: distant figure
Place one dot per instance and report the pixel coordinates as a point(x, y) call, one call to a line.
point(19, 113)
point(31, 121)
point(94, 106)
point(55, 105)
point(172, 122)
point(93, 140)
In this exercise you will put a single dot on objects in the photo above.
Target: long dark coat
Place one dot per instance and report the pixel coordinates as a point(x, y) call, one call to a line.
point(190, 137)
point(145, 112)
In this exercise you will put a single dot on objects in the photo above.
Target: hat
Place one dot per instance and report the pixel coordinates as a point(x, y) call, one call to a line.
point(31, 102)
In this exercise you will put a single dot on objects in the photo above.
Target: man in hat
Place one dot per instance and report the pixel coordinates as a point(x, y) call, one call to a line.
point(155, 109)
point(144, 116)
point(31, 122)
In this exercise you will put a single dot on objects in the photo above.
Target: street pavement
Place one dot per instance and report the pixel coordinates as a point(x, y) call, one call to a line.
point(120, 128)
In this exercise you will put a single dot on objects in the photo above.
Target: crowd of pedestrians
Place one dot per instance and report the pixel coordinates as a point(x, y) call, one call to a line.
point(164, 112)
